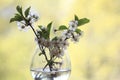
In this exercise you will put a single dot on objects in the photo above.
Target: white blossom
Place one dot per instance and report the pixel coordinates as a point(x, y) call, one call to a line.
point(33, 16)
point(38, 33)
point(47, 43)
point(55, 43)
point(66, 34)
point(73, 25)
point(58, 47)
point(62, 42)
point(40, 41)
point(55, 51)
point(23, 26)
point(75, 38)
point(43, 40)
point(65, 44)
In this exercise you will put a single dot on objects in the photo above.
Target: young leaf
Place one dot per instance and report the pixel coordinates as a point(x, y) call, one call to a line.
point(43, 32)
point(62, 27)
point(76, 17)
point(45, 35)
point(27, 11)
point(49, 28)
point(77, 31)
point(55, 38)
point(12, 20)
point(16, 18)
point(83, 21)
point(19, 9)
point(40, 26)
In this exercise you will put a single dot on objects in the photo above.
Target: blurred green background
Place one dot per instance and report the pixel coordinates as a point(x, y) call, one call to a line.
point(95, 57)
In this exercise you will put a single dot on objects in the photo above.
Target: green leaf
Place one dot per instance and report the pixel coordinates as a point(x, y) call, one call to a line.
point(77, 31)
point(83, 21)
point(19, 9)
point(16, 18)
point(48, 29)
point(62, 27)
point(40, 54)
point(76, 17)
point(12, 20)
point(40, 26)
point(44, 32)
point(55, 38)
point(27, 11)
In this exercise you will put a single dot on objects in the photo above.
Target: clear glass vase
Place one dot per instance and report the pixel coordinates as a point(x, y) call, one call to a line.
point(41, 70)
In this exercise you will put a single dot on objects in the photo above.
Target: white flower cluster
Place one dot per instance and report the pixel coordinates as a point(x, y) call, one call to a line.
point(70, 32)
point(58, 45)
point(31, 18)
point(73, 25)
point(23, 26)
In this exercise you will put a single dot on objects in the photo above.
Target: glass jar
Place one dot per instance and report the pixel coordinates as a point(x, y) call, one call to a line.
point(57, 68)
